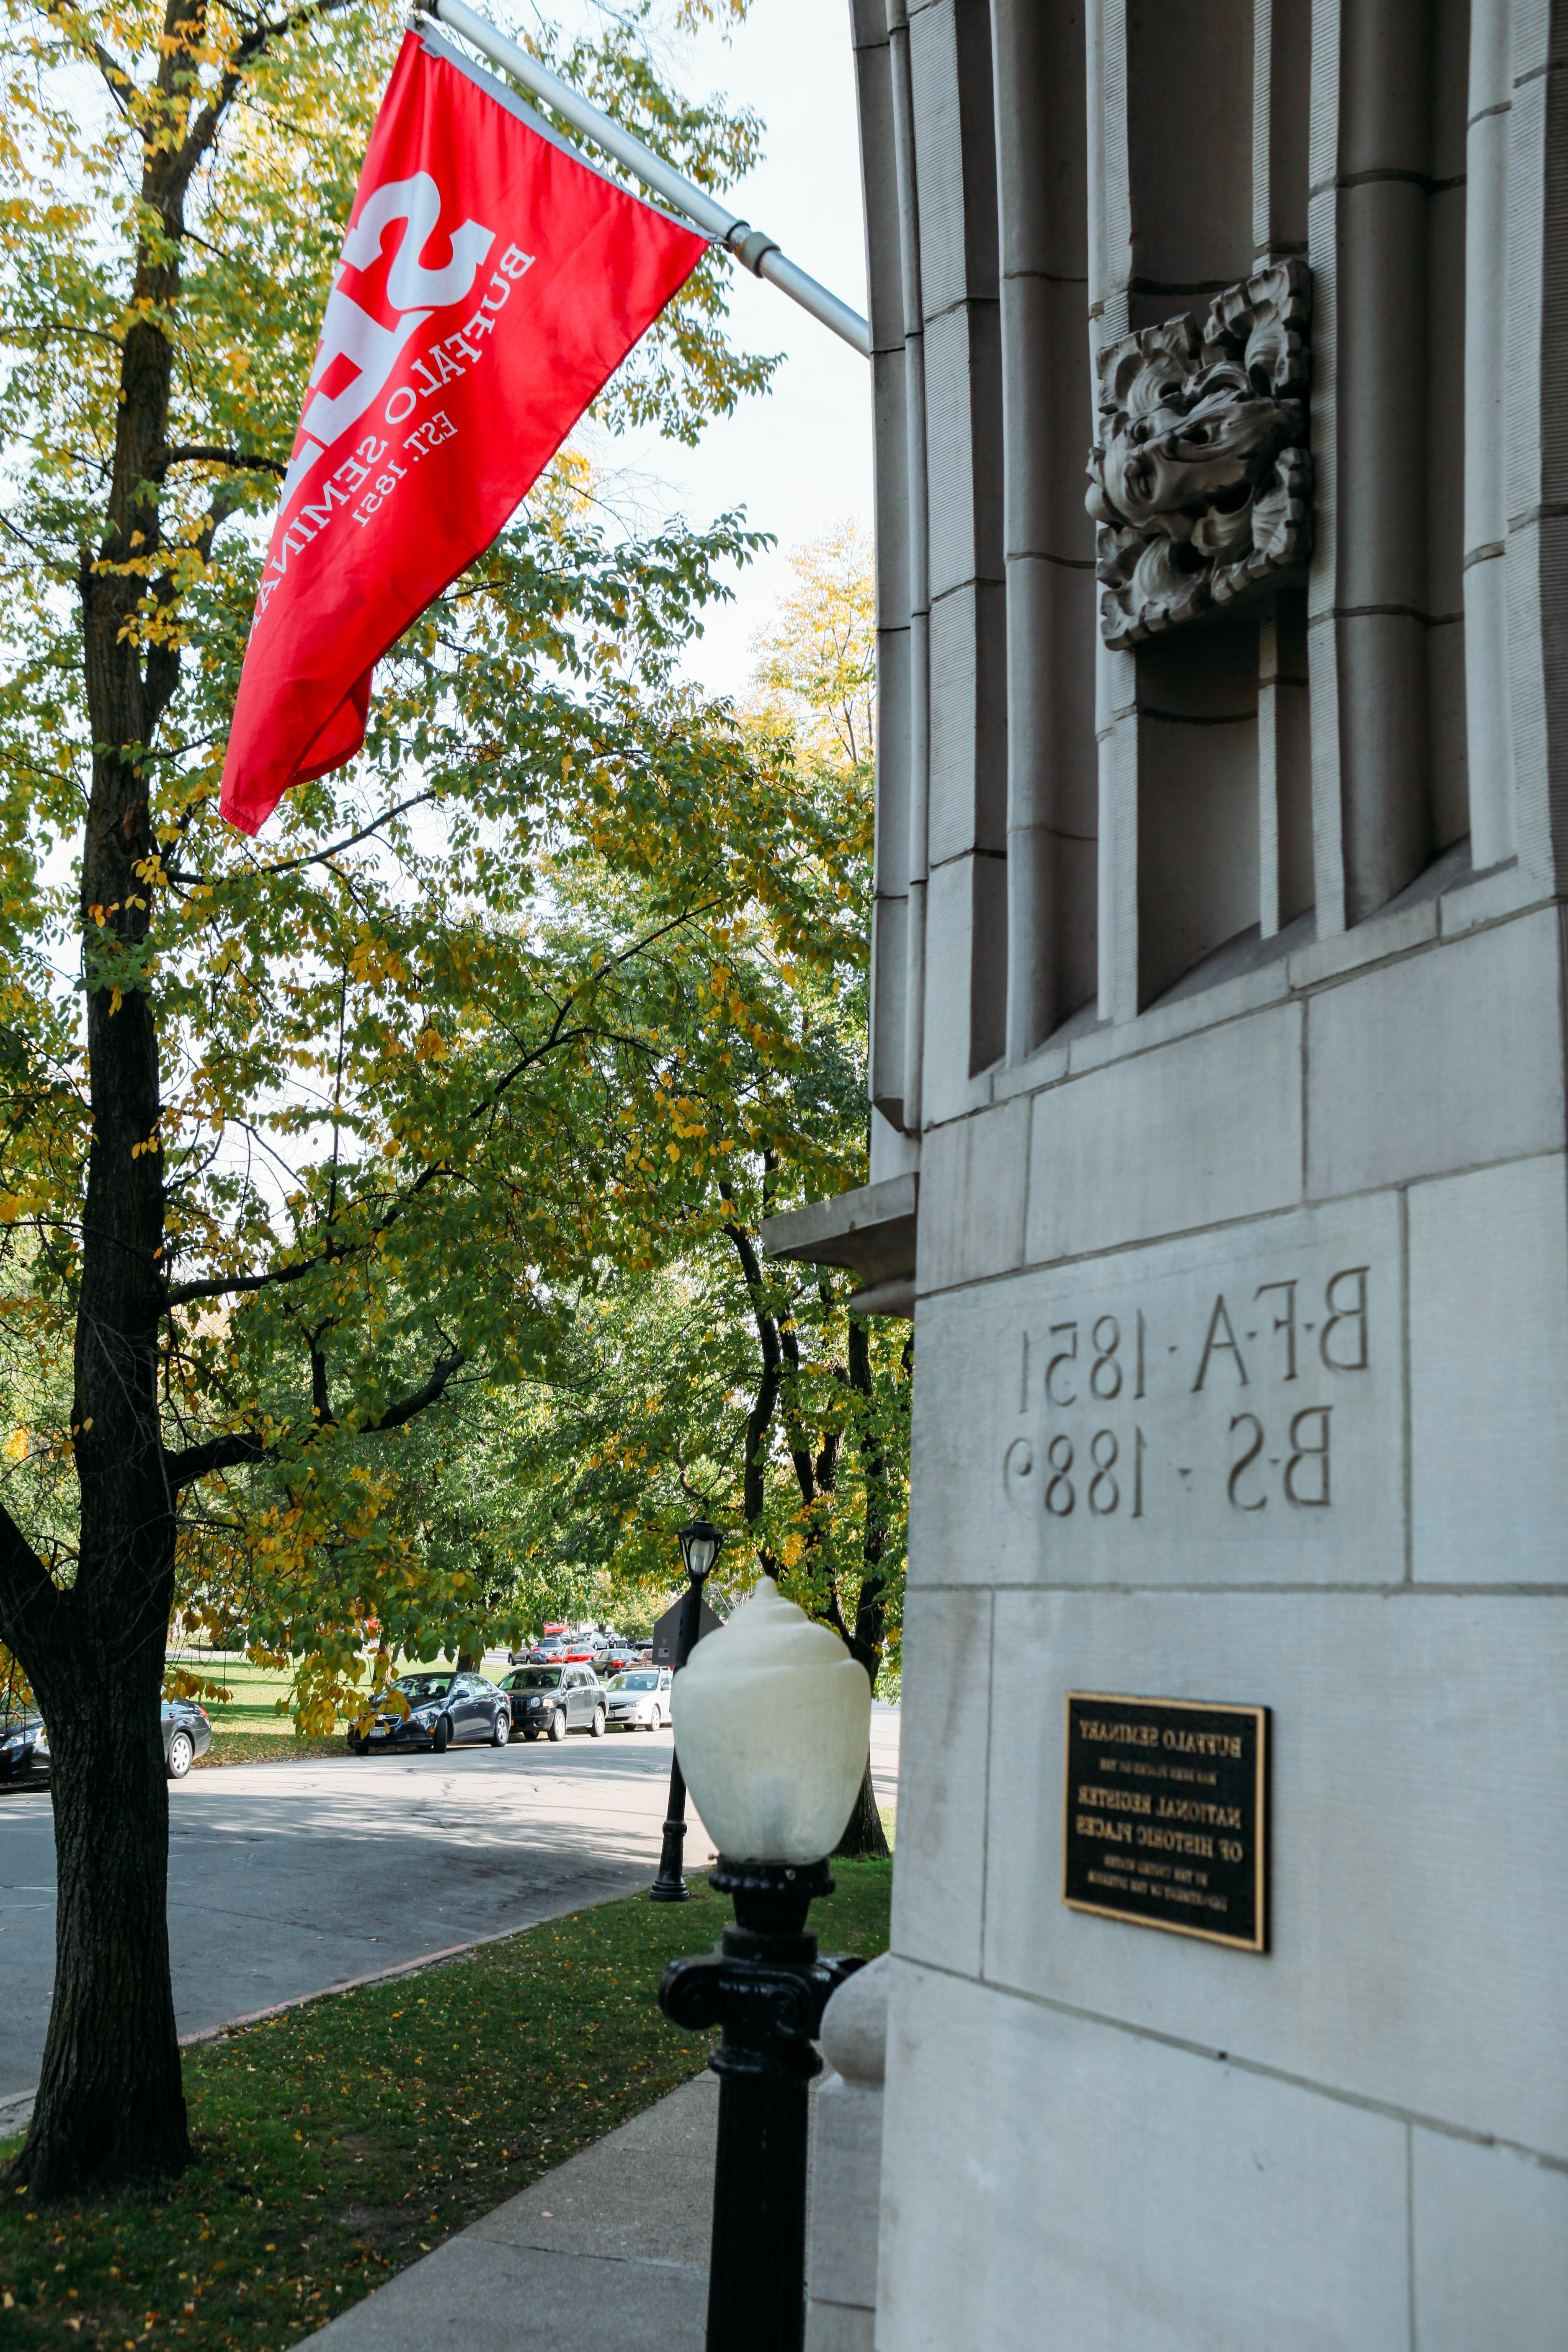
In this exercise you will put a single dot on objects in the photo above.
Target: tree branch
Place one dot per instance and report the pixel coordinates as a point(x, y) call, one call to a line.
point(325, 856)
point(203, 130)
point(184, 1294)
point(760, 1418)
point(230, 1451)
point(114, 74)
point(162, 458)
point(239, 1447)
point(320, 1399)
point(420, 1399)
point(871, 1606)
point(26, 1588)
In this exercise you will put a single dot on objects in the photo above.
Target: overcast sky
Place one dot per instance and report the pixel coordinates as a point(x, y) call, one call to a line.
point(798, 458)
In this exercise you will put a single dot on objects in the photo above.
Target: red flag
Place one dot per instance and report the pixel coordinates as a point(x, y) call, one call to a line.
point(491, 284)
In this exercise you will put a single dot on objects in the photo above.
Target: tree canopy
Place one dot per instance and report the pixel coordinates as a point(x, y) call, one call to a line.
point(305, 1137)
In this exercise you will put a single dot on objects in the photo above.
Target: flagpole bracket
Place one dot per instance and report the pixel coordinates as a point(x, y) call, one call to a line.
point(751, 247)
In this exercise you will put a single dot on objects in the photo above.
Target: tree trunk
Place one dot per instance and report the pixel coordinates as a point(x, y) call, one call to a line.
point(110, 2107)
point(864, 1833)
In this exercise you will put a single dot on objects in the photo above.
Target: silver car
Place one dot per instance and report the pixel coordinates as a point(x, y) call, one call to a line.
point(639, 1699)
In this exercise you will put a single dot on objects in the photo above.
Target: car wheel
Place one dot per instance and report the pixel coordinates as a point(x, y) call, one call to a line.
point(182, 1755)
point(356, 1747)
point(558, 1724)
point(441, 1736)
point(530, 1735)
point(598, 1723)
point(501, 1730)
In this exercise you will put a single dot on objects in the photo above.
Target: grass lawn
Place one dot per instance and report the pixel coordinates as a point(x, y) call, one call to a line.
point(254, 1691)
point(338, 2142)
point(268, 1746)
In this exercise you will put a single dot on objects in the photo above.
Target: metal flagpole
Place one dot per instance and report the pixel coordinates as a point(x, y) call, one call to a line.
point(752, 245)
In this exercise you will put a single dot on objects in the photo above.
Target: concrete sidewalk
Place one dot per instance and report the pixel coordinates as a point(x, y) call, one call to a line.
point(610, 2249)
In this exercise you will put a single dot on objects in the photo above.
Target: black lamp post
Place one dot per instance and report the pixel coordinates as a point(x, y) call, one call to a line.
point(767, 1989)
point(699, 1547)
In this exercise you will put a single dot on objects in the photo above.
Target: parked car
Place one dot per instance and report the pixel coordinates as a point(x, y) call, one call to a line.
point(23, 1750)
point(187, 1734)
point(639, 1700)
point(445, 1710)
point(557, 1699)
point(25, 1743)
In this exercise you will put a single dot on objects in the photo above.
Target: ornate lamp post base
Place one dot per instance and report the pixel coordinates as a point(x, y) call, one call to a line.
point(671, 1885)
point(767, 1989)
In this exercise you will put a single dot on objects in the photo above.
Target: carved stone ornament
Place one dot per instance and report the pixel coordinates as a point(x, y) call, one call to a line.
point(1201, 482)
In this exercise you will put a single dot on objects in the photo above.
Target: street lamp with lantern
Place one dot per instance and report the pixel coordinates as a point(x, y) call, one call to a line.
point(772, 1721)
point(699, 1548)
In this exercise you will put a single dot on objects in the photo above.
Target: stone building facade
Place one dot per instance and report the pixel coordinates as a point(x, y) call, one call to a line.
point(1218, 1115)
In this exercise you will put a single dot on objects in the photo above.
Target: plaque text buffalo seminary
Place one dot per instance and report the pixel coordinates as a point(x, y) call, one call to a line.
point(1167, 1815)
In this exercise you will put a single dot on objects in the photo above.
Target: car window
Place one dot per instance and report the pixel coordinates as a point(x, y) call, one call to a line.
point(422, 1686)
point(535, 1678)
point(635, 1682)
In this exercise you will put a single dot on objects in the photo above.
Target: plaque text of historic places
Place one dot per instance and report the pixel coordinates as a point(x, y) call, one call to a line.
point(1167, 1815)
point(1224, 1408)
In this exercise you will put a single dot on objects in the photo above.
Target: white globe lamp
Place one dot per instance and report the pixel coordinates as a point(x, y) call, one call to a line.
point(772, 1727)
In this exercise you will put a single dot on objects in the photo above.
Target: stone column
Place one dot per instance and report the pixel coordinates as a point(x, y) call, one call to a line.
point(1488, 714)
point(847, 2168)
point(918, 564)
point(1380, 588)
point(1038, 47)
point(890, 441)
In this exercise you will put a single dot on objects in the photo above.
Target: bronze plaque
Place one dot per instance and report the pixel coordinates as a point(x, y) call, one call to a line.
point(1167, 1815)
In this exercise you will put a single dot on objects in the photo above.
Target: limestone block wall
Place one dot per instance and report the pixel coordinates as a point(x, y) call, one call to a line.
point(1242, 1373)
point(1225, 1024)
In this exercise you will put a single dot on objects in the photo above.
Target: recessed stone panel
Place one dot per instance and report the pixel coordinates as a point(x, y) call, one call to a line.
point(1050, 2181)
point(972, 1175)
point(1439, 1063)
point(938, 1887)
point(1418, 1816)
point(1491, 2248)
point(1223, 1409)
point(1197, 1131)
point(1488, 1387)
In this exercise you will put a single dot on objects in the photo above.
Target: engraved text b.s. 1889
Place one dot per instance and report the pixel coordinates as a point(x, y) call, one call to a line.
point(1166, 1815)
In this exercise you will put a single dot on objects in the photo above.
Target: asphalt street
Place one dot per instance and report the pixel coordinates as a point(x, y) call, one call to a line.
point(286, 1879)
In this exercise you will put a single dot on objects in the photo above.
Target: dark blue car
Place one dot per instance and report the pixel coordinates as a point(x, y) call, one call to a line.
point(445, 1709)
